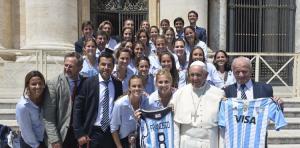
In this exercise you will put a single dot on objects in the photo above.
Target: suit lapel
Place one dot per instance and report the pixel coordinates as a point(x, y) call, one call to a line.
point(234, 90)
point(97, 87)
point(256, 89)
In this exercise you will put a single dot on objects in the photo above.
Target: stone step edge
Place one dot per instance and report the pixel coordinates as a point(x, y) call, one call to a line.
point(9, 101)
point(284, 134)
point(284, 145)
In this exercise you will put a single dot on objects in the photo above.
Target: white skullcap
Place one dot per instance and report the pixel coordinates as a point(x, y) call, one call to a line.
point(199, 63)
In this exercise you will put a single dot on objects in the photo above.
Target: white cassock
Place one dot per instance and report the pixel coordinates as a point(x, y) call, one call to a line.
point(196, 117)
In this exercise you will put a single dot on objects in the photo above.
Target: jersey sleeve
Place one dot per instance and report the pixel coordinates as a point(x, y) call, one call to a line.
point(276, 115)
point(221, 114)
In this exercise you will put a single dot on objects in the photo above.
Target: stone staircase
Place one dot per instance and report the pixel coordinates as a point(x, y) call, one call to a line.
point(288, 137)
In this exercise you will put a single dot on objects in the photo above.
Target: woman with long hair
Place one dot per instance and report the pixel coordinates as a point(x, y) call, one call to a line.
point(221, 62)
point(121, 70)
point(167, 62)
point(29, 112)
point(143, 66)
point(162, 96)
point(197, 54)
point(143, 36)
point(90, 63)
point(192, 40)
point(170, 38)
point(183, 59)
point(123, 122)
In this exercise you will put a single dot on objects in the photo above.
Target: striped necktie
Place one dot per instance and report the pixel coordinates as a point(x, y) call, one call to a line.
point(105, 106)
point(243, 94)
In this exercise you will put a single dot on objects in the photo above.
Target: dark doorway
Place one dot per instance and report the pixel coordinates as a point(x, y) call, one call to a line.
point(116, 11)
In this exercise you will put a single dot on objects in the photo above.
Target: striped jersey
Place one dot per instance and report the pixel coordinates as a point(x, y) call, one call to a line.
point(157, 129)
point(246, 122)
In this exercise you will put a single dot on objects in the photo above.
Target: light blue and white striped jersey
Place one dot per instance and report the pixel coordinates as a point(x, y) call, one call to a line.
point(246, 122)
point(157, 129)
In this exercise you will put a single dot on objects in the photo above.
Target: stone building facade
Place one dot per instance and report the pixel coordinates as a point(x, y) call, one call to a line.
point(55, 24)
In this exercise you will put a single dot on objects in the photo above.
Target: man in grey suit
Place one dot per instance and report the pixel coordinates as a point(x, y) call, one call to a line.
point(58, 104)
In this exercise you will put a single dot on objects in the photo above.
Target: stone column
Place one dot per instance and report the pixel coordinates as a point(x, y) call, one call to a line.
point(217, 24)
point(50, 24)
point(170, 9)
point(297, 28)
point(5, 24)
point(153, 6)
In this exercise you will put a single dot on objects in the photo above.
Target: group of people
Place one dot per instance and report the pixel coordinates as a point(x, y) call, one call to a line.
point(95, 102)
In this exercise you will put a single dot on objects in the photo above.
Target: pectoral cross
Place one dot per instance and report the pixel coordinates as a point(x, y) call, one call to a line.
point(195, 116)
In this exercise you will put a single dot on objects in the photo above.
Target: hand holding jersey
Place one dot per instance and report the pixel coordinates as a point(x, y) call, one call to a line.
point(245, 122)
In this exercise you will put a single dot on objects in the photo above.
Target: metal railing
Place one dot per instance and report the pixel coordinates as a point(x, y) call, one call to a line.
point(14, 64)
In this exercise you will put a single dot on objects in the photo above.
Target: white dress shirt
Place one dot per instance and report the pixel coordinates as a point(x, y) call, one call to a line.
point(111, 89)
point(248, 90)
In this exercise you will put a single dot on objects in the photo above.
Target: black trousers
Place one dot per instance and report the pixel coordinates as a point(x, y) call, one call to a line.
point(100, 139)
point(70, 140)
point(23, 144)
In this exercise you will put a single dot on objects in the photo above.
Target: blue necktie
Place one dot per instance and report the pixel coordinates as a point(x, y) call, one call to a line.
point(243, 94)
point(105, 106)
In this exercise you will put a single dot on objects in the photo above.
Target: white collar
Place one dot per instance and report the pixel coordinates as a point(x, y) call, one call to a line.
point(248, 84)
point(102, 80)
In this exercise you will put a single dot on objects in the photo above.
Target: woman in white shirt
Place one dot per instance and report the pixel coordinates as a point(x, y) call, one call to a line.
point(123, 123)
point(221, 62)
point(29, 112)
point(213, 78)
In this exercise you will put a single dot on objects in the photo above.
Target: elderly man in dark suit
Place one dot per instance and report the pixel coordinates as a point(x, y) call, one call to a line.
point(246, 88)
point(93, 106)
point(242, 70)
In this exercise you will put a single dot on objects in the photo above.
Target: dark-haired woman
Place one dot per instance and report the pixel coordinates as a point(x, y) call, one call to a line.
point(29, 112)
point(121, 70)
point(221, 62)
point(167, 61)
point(142, 35)
point(90, 63)
point(192, 41)
point(197, 54)
point(143, 66)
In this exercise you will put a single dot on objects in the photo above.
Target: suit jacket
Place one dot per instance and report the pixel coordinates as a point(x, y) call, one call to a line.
point(201, 33)
point(58, 108)
point(79, 45)
point(86, 105)
point(260, 90)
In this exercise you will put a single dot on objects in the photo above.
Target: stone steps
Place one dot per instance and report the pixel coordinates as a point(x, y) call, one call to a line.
point(287, 137)
point(293, 123)
point(7, 114)
point(284, 137)
point(284, 146)
point(11, 123)
point(292, 112)
point(291, 102)
point(8, 103)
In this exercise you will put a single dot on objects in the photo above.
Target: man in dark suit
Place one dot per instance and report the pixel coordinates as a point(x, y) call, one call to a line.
point(201, 32)
point(242, 70)
point(59, 100)
point(87, 32)
point(93, 106)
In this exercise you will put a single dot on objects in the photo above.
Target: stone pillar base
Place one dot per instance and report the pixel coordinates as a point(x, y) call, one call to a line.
point(58, 46)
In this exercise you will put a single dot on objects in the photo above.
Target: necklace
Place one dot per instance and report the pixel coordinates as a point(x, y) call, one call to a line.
point(195, 115)
point(196, 106)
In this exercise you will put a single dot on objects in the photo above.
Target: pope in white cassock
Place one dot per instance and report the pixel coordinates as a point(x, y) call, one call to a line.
point(196, 108)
